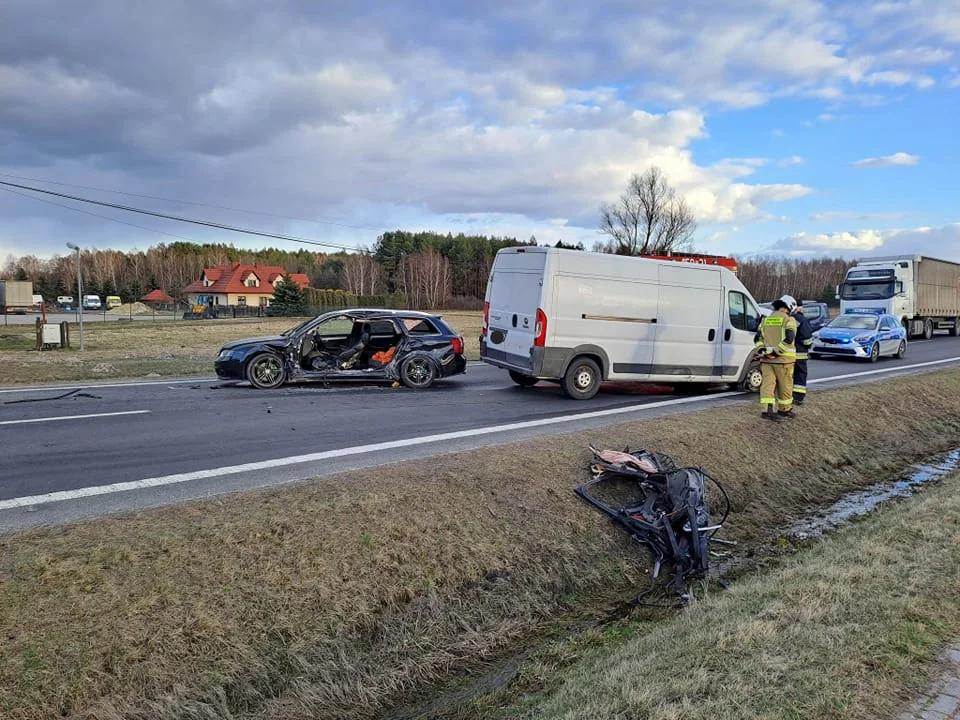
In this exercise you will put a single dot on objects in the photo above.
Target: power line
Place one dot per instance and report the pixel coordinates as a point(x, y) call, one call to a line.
point(178, 218)
point(105, 217)
point(193, 202)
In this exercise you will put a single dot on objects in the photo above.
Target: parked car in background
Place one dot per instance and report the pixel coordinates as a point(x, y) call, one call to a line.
point(65, 300)
point(91, 302)
point(860, 333)
point(361, 345)
point(818, 313)
point(113, 301)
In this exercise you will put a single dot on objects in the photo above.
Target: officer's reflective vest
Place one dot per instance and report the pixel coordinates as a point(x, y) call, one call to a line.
point(773, 334)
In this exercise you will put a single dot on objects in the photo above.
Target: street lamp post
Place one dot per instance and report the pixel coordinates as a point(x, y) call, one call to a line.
point(79, 291)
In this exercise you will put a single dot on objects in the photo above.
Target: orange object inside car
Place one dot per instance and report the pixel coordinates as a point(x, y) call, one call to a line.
point(384, 356)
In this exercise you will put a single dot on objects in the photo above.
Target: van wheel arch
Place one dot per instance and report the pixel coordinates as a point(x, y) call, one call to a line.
point(593, 352)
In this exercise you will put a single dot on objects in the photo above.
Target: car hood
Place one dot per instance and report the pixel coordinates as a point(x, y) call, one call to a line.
point(842, 333)
point(276, 340)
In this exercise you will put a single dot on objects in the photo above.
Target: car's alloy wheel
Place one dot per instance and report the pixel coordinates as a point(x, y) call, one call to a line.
point(902, 350)
point(875, 352)
point(418, 373)
point(266, 372)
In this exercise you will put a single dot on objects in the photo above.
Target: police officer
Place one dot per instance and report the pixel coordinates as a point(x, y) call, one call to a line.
point(775, 343)
point(803, 342)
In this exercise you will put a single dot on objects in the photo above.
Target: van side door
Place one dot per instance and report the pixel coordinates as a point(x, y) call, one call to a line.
point(688, 323)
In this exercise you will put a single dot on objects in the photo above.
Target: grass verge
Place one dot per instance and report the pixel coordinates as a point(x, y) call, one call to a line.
point(843, 629)
point(166, 348)
point(336, 598)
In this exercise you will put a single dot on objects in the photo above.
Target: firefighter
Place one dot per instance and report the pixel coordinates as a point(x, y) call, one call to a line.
point(775, 344)
point(803, 342)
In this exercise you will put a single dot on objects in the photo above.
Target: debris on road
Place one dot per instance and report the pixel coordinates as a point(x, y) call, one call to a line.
point(79, 392)
point(666, 509)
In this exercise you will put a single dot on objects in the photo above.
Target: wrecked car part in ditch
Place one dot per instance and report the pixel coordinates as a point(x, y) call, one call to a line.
point(666, 510)
point(364, 345)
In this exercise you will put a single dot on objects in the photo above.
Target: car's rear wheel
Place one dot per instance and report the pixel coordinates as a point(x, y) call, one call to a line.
point(902, 350)
point(266, 371)
point(875, 352)
point(418, 373)
point(523, 380)
point(582, 379)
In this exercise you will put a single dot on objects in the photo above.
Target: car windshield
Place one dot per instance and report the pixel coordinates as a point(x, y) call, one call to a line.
point(854, 322)
point(294, 330)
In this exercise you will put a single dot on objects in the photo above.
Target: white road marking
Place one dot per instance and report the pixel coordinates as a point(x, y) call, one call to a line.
point(884, 370)
point(94, 386)
point(73, 417)
point(340, 452)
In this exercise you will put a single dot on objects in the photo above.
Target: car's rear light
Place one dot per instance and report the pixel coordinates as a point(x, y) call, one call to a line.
point(541, 329)
point(486, 319)
point(457, 343)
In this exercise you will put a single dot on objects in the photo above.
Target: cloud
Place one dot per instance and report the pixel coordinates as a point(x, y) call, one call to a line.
point(791, 161)
point(942, 242)
point(371, 112)
point(832, 215)
point(899, 78)
point(897, 159)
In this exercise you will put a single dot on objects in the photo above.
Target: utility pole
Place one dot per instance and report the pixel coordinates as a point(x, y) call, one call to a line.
point(79, 291)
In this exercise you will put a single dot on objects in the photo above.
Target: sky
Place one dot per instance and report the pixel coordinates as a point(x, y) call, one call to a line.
point(791, 127)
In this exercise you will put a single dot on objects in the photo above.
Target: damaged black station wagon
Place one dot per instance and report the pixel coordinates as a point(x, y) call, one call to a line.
point(368, 345)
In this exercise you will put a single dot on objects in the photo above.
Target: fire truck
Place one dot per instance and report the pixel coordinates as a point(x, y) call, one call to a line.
point(728, 262)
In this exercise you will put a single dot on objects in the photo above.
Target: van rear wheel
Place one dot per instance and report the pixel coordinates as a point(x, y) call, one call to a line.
point(523, 380)
point(582, 379)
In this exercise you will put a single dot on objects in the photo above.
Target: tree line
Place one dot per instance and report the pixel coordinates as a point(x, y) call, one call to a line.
point(423, 269)
point(429, 269)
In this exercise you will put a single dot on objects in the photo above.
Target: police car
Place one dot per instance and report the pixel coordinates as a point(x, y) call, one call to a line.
point(861, 333)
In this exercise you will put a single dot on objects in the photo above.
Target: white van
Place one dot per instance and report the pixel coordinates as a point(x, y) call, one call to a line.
point(582, 318)
point(91, 302)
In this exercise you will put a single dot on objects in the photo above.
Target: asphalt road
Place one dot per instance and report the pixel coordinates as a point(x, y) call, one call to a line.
point(171, 440)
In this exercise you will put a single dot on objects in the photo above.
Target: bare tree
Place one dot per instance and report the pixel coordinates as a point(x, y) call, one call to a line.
point(649, 218)
point(361, 274)
point(426, 279)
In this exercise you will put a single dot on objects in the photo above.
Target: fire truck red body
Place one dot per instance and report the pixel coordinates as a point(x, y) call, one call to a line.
point(728, 262)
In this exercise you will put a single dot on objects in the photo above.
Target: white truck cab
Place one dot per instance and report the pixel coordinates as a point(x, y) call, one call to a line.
point(582, 318)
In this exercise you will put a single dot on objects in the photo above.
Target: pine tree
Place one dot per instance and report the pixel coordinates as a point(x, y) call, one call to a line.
point(288, 298)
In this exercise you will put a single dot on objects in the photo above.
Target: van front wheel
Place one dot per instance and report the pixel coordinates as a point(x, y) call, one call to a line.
point(582, 379)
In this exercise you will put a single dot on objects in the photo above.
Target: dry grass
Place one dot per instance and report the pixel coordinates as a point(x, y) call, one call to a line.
point(335, 598)
point(172, 348)
point(844, 629)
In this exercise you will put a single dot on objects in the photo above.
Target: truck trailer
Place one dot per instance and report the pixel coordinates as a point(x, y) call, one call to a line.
point(923, 292)
point(16, 296)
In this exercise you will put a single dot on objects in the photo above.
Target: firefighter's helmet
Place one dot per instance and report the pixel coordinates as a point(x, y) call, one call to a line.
point(789, 302)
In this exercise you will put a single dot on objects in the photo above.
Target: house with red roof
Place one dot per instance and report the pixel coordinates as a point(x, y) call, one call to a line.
point(239, 285)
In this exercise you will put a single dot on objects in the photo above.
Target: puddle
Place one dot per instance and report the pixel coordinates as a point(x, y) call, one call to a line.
point(865, 501)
